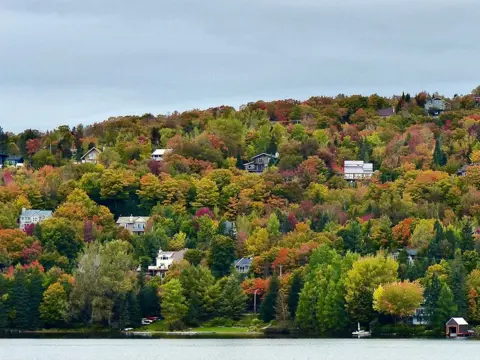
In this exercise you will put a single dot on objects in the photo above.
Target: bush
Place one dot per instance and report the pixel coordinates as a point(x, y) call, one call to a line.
point(219, 322)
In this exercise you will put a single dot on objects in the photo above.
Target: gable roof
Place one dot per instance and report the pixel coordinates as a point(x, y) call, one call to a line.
point(161, 152)
point(386, 112)
point(39, 213)
point(89, 151)
point(243, 262)
point(14, 158)
point(264, 154)
point(458, 321)
point(132, 219)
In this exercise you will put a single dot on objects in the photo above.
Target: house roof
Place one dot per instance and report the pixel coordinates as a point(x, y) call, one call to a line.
point(132, 219)
point(91, 150)
point(264, 154)
point(243, 262)
point(386, 112)
point(39, 213)
point(178, 255)
point(458, 321)
point(161, 152)
point(14, 158)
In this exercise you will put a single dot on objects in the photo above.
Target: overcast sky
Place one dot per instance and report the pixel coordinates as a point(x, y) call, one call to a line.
point(72, 61)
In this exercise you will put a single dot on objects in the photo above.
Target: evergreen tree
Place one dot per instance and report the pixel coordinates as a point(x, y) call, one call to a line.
point(434, 248)
point(444, 310)
point(35, 289)
point(4, 308)
point(294, 293)
point(467, 242)
point(20, 300)
point(221, 255)
point(458, 284)
point(133, 308)
point(149, 301)
point(439, 157)
point(364, 150)
point(432, 295)
point(352, 237)
point(267, 308)
point(233, 300)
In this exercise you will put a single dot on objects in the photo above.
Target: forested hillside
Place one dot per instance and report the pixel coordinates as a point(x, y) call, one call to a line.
point(322, 247)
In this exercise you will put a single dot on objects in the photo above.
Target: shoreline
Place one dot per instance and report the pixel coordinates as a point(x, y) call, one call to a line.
point(107, 334)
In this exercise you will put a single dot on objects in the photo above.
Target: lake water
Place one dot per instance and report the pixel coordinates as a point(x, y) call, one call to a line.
point(251, 349)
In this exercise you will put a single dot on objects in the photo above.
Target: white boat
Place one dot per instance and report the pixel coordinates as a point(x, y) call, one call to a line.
point(361, 333)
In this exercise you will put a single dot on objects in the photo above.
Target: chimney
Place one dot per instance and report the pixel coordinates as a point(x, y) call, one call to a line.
point(131, 218)
point(23, 210)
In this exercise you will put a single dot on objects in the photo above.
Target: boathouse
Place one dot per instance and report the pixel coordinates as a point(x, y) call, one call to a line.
point(457, 327)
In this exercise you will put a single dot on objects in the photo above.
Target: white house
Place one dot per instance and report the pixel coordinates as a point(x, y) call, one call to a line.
point(164, 260)
point(91, 156)
point(28, 217)
point(160, 153)
point(135, 224)
point(243, 265)
point(357, 170)
point(435, 105)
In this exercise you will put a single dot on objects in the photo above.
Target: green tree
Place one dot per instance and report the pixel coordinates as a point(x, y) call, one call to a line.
point(439, 157)
point(296, 286)
point(173, 303)
point(20, 299)
point(221, 255)
point(105, 274)
point(446, 309)
point(267, 308)
point(232, 301)
point(435, 246)
point(54, 306)
point(207, 194)
point(201, 293)
point(457, 281)
point(61, 234)
point(35, 289)
point(467, 242)
point(193, 256)
point(365, 276)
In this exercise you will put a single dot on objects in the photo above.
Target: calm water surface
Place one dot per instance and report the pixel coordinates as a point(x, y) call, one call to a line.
point(251, 349)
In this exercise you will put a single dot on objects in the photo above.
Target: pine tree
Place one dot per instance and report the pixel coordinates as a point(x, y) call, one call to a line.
point(458, 284)
point(174, 306)
point(434, 248)
point(445, 309)
point(233, 300)
point(467, 242)
point(432, 294)
point(439, 157)
point(35, 289)
point(20, 299)
point(267, 309)
point(294, 293)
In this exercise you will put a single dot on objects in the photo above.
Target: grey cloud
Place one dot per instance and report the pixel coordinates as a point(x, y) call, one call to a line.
point(66, 61)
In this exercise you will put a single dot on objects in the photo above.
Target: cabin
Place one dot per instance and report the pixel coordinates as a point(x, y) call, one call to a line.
point(456, 326)
point(91, 156)
point(159, 154)
point(387, 112)
point(260, 162)
point(134, 224)
point(243, 265)
point(164, 260)
point(32, 216)
point(357, 170)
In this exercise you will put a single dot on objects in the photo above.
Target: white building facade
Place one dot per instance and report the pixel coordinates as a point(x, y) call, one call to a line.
point(357, 170)
point(31, 216)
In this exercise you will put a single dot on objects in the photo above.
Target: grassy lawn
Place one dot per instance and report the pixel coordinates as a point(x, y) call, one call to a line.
point(221, 329)
point(155, 326)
